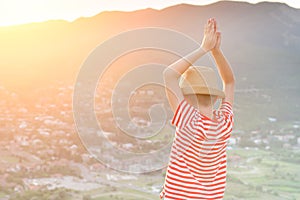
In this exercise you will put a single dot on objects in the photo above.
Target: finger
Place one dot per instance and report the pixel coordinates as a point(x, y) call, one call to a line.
point(212, 30)
point(215, 25)
point(206, 28)
point(208, 21)
point(211, 25)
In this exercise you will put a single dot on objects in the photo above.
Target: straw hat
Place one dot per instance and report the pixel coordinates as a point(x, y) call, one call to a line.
point(200, 80)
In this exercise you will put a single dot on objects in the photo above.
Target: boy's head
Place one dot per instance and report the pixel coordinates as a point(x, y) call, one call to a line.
point(199, 85)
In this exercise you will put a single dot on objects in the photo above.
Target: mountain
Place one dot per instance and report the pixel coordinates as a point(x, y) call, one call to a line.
point(261, 41)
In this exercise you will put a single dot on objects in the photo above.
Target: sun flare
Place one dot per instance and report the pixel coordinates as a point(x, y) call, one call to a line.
point(16, 12)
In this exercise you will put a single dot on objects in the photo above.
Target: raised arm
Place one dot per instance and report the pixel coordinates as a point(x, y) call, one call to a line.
point(224, 70)
point(173, 72)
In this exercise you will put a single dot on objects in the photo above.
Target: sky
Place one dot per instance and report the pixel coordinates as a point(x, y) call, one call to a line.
point(14, 12)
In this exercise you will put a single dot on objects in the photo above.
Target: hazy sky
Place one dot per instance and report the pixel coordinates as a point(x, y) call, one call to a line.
point(25, 11)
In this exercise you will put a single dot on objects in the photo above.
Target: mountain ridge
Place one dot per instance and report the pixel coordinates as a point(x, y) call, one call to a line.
point(264, 33)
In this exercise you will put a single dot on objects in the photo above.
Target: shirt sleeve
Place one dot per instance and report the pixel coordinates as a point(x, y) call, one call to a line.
point(227, 112)
point(184, 115)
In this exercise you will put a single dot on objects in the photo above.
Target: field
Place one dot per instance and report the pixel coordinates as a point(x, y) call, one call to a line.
point(262, 174)
point(252, 174)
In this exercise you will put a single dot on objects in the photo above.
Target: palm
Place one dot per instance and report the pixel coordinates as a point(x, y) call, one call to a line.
point(218, 42)
point(209, 39)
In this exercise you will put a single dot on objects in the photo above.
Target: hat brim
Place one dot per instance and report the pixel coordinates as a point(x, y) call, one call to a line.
point(203, 90)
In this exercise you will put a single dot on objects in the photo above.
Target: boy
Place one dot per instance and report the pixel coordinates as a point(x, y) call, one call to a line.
point(197, 166)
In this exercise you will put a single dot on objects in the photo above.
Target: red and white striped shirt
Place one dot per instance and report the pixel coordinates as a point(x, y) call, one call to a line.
point(197, 165)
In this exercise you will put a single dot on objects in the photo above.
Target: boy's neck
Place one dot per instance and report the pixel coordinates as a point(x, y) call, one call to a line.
point(204, 103)
point(206, 110)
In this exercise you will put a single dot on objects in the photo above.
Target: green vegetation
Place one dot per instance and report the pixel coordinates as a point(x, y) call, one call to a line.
point(259, 174)
point(252, 174)
point(62, 194)
point(9, 159)
point(2, 194)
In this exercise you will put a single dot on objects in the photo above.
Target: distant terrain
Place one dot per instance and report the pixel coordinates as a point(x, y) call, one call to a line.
point(261, 41)
point(43, 156)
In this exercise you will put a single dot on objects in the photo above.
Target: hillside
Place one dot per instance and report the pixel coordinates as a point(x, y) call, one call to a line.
point(261, 41)
point(264, 36)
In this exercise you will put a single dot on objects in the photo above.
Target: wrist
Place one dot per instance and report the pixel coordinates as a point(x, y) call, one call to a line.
point(216, 51)
point(202, 49)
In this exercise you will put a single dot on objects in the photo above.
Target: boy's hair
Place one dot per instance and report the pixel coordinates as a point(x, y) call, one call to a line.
point(203, 99)
point(200, 80)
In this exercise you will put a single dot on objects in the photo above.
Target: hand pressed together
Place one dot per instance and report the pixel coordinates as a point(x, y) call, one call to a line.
point(211, 38)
